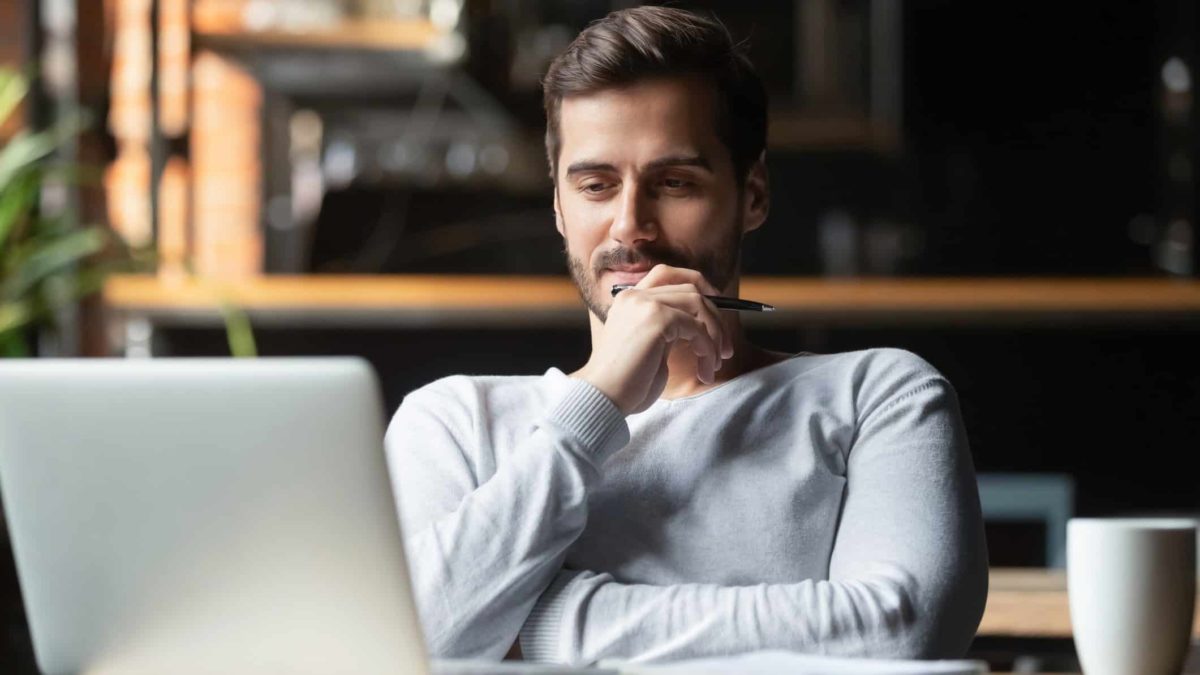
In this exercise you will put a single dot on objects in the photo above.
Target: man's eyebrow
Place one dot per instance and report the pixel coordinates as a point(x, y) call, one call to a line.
point(586, 165)
point(680, 160)
point(661, 162)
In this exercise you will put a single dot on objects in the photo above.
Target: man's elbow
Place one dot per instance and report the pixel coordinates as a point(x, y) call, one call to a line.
point(911, 622)
point(947, 626)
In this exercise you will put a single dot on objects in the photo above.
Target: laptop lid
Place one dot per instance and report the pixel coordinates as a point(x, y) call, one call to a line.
point(205, 515)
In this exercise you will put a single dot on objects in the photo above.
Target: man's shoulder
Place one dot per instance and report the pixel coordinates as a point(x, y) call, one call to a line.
point(848, 389)
point(485, 394)
point(867, 366)
point(870, 377)
point(485, 414)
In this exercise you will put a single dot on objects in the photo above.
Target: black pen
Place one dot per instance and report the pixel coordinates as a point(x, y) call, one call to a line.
point(719, 301)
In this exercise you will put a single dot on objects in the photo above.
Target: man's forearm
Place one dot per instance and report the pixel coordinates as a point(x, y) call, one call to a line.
point(584, 617)
point(479, 564)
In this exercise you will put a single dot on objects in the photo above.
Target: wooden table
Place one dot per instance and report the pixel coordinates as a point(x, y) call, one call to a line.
point(1032, 602)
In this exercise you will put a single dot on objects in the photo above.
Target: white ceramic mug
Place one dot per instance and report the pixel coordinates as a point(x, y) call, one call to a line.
point(1131, 583)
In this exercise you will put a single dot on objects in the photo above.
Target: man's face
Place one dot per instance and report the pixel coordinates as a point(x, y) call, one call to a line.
point(643, 179)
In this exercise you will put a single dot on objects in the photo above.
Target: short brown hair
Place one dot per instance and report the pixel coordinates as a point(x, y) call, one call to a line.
point(643, 42)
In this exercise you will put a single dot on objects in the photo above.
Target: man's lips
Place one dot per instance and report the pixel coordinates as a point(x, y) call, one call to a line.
point(629, 275)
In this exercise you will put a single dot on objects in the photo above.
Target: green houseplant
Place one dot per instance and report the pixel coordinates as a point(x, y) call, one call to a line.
point(46, 261)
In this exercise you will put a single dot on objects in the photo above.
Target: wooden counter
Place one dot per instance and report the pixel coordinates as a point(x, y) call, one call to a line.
point(1032, 603)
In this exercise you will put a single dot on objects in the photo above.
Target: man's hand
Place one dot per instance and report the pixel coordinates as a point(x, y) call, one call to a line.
point(629, 359)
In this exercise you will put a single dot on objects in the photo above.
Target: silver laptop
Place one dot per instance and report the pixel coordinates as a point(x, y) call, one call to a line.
point(207, 515)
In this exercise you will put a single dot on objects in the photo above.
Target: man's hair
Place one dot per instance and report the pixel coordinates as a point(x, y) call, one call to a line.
point(630, 45)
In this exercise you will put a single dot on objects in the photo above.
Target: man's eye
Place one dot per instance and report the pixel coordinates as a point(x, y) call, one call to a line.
point(594, 188)
point(675, 183)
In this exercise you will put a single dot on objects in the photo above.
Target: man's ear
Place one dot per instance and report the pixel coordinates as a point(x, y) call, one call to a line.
point(757, 202)
point(558, 219)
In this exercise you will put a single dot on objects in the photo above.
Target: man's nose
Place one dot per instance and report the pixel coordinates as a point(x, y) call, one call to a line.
point(634, 219)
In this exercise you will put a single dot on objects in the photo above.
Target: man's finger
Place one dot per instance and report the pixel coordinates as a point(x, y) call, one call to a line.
point(683, 325)
point(699, 307)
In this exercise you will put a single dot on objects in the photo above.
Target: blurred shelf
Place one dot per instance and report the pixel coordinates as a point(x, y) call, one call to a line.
point(978, 298)
point(408, 300)
point(373, 34)
point(1032, 603)
point(354, 58)
point(527, 301)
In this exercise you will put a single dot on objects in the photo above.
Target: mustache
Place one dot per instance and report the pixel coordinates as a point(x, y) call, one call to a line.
point(650, 257)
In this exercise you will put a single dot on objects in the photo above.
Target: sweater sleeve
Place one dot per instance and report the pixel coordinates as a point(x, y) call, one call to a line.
point(480, 554)
point(907, 575)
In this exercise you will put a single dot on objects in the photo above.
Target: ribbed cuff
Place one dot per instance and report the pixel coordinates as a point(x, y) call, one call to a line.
point(539, 637)
point(592, 419)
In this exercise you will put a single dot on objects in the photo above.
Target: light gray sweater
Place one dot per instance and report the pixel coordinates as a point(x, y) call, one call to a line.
point(823, 504)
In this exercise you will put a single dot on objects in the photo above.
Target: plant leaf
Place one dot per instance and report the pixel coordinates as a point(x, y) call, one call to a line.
point(23, 151)
point(54, 256)
point(14, 315)
point(12, 345)
point(16, 201)
point(13, 88)
point(238, 331)
point(28, 148)
point(70, 288)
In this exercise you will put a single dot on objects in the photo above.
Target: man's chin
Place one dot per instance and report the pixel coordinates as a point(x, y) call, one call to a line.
point(601, 313)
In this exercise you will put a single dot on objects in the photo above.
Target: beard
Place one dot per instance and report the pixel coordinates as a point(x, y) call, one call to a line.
point(718, 266)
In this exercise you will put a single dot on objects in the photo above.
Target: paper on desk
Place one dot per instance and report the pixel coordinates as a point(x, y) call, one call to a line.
point(791, 663)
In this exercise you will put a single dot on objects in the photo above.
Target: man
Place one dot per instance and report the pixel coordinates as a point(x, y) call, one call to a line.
point(684, 493)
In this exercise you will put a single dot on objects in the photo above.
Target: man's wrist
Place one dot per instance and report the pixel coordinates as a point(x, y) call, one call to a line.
point(586, 376)
point(539, 638)
point(591, 418)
